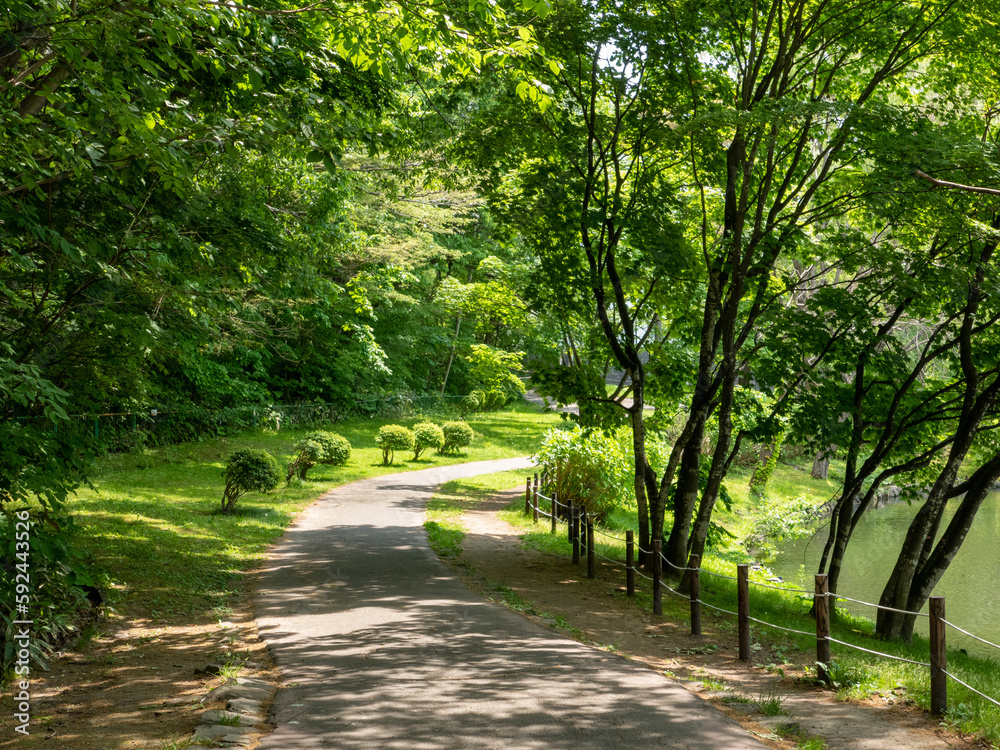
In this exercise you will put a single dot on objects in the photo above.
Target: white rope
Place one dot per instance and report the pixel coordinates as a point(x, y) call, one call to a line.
point(879, 653)
point(965, 684)
point(718, 575)
point(779, 627)
point(610, 560)
point(608, 536)
point(675, 567)
point(672, 591)
point(642, 575)
point(982, 640)
point(717, 609)
point(779, 588)
point(877, 606)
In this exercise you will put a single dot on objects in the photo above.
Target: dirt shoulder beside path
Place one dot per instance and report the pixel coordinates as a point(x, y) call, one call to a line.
point(551, 590)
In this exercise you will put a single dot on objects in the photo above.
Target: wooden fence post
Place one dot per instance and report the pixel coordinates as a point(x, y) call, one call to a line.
point(591, 562)
point(570, 510)
point(527, 496)
point(555, 509)
point(629, 563)
point(695, 564)
point(574, 536)
point(535, 497)
point(821, 603)
point(743, 608)
point(657, 575)
point(939, 658)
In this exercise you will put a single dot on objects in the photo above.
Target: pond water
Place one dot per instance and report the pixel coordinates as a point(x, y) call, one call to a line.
point(971, 585)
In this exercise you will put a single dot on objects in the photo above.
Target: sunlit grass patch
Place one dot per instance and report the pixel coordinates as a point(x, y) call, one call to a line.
point(444, 510)
point(152, 520)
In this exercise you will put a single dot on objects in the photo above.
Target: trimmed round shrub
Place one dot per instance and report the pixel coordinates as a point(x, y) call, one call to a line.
point(318, 448)
point(308, 453)
point(469, 403)
point(336, 450)
point(456, 435)
point(248, 470)
point(393, 437)
point(426, 435)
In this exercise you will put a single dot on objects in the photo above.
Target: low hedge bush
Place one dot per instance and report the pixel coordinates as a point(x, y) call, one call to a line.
point(248, 470)
point(456, 435)
point(426, 435)
point(391, 438)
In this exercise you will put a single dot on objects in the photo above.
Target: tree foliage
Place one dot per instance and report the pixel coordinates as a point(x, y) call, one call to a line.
point(248, 470)
point(392, 438)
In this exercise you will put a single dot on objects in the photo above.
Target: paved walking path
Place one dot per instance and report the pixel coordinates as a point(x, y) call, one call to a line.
point(380, 646)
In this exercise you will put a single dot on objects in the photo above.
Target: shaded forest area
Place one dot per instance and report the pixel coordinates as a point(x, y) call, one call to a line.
point(777, 220)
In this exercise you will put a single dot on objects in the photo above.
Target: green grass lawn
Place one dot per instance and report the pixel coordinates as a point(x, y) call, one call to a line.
point(152, 521)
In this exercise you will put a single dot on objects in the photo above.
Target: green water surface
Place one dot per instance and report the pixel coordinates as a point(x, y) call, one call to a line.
point(971, 585)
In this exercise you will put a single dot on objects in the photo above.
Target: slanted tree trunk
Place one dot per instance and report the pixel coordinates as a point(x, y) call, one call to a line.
point(920, 564)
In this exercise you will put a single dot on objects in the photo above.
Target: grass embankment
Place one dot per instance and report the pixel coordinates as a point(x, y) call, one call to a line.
point(792, 492)
point(152, 520)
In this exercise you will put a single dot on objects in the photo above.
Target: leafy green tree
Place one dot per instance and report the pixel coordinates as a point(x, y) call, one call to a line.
point(496, 371)
point(248, 470)
point(745, 137)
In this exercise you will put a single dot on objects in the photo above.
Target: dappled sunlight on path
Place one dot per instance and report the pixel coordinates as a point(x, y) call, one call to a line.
point(379, 645)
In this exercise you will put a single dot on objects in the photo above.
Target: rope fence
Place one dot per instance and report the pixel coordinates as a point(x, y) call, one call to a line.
point(581, 535)
point(881, 606)
point(879, 653)
point(966, 632)
point(966, 685)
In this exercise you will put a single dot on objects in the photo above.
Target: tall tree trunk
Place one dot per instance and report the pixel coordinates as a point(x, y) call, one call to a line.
point(685, 498)
point(641, 466)
point(916, 548)
point(716, 473)
point(977, 489)
point(909, 576)
point(821, 465)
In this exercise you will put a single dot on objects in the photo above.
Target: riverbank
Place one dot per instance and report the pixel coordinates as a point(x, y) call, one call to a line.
point(791, 528)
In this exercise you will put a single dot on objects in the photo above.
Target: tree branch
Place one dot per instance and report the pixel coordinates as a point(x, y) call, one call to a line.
point(956, 185)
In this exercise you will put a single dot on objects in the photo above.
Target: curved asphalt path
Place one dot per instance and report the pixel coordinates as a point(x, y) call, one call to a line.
point(380, 646)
